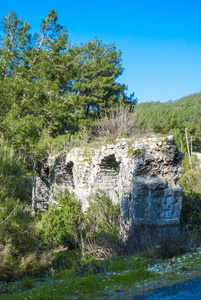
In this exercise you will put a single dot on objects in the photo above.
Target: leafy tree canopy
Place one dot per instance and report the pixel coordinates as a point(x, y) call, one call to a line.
point(48, 86)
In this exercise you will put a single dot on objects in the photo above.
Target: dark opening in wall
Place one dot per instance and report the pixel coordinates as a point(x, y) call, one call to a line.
point(69, 168)
point(41, 169)
point(109, 163)
point(65, 175)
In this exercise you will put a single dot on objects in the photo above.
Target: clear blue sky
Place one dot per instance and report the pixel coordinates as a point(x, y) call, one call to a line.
point(160, 40)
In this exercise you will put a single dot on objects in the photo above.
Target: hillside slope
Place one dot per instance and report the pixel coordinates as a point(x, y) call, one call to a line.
point(174, 117)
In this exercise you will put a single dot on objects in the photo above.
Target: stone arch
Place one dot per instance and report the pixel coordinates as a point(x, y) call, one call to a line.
point(107, 176)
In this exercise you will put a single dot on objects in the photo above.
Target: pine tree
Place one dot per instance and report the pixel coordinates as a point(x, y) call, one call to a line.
point(95, 90)
point(35, 79)
point(47, 87)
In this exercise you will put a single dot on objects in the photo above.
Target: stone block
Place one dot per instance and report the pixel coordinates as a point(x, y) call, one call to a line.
point(176, 190)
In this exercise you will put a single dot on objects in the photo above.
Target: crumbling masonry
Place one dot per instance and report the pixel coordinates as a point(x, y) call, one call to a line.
point(142, 176)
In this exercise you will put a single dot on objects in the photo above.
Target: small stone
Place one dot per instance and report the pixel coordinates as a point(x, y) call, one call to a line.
point(170, 138)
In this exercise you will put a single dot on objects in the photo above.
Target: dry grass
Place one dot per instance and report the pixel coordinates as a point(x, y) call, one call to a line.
point(120, 121)
point(14, 265)
point(102, 246)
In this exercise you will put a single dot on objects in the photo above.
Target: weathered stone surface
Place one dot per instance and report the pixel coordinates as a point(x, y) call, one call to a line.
point(142, 177)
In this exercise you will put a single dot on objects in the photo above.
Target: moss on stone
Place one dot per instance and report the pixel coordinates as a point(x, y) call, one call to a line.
point(134, 152)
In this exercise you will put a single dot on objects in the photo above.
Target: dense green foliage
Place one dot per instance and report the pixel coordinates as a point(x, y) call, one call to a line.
point(96, 66)
point(19, 252)
point(173, 118)
point(62, 226)
point(102, 227)
point(68, 227)
point(50, 88)
point(14, 191)
point(103, 215)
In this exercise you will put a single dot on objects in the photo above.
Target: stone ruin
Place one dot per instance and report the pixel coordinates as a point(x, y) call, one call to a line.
point(142, 176)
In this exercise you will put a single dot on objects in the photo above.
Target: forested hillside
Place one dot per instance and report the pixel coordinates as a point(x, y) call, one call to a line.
point(174, 117)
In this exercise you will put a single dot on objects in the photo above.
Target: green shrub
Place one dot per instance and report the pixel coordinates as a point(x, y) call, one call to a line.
point(62, 142)
point(26, 283)
point(191, 204)
point(18, 242)
point(64, 259)
point(102, 227)
point(62, 225)
point(102, 214)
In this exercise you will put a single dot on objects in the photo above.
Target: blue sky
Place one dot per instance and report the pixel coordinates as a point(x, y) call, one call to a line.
point(160, 40)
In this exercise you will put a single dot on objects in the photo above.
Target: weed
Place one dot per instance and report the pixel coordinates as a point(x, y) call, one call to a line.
point(26, 283)
point(134, 152)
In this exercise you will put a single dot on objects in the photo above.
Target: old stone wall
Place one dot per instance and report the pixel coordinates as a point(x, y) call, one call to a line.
point(142, 176)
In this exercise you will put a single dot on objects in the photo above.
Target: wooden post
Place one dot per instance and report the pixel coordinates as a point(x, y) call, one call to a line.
point(189, 157)
point(191, 145)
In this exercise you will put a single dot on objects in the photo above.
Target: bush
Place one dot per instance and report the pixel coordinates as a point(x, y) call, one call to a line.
point(19, 251)
point(18, 243)
point(62, 225)
point(102, 214)
point(14, 265)
point(64, 259)
point(191, 204)
point(54, 240)
point(14, 182)
point(119, 121)
point(102, 238)
point(48, 145)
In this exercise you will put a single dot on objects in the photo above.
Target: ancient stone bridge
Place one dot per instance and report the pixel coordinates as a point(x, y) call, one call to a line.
point(142, 176)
